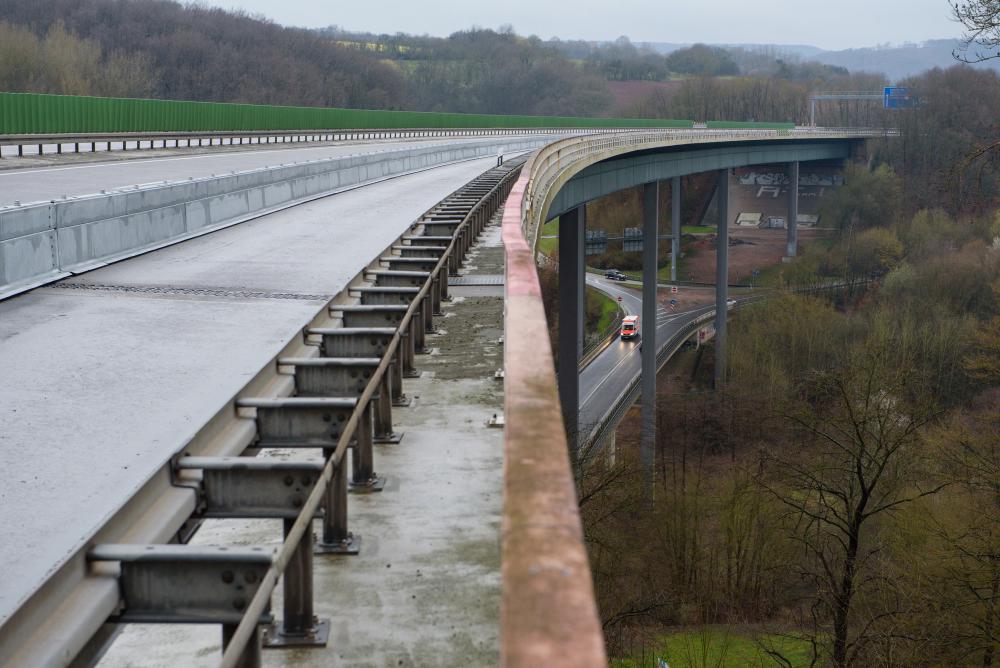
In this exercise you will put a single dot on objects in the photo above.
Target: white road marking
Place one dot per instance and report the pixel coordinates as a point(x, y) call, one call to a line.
point(598, 385)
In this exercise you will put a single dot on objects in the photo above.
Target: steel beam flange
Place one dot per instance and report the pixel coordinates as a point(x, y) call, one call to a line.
point(300, 422)
point(253, 487)
point(172, 584)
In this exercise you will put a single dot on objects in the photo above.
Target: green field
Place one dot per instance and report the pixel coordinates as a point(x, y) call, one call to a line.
point(698, 229)
point(662, 275)
point(720, 648)
point(546, 246)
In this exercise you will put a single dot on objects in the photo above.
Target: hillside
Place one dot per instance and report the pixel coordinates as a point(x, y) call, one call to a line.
point(896, 62)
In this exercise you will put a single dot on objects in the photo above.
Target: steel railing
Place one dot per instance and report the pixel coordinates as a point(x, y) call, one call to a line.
point(259, 603)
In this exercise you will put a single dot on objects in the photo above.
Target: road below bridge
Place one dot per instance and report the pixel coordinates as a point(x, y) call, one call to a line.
point(606, 377)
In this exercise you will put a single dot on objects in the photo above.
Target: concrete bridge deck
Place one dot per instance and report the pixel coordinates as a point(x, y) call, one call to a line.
point(101, 386)
point(425, 589)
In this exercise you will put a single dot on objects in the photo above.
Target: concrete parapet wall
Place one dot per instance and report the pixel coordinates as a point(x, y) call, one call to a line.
point(45, 241)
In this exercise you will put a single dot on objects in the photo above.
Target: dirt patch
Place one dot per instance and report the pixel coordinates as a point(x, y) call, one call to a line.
point(470, 349)
point(628, 93)
point(753, 249)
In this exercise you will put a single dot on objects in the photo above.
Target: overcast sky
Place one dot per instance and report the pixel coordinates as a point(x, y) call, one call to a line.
point(829, 24)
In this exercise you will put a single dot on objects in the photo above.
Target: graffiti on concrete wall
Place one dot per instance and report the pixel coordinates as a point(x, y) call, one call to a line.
point(781, 179)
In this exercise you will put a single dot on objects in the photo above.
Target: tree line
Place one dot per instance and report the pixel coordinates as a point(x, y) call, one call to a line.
point(841, 492)
point(163, 49)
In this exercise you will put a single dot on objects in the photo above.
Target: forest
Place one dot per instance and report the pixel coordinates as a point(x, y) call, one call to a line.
point(168, 50)
point(837, 501)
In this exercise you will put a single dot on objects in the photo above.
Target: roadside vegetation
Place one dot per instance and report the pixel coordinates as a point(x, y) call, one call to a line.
point(840, 492)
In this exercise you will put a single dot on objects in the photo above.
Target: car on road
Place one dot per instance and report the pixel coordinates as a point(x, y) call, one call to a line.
point(730, 304)
point(615, 275)
point(630, 327)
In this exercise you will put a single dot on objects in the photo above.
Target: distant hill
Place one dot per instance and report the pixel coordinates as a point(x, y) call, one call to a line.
point(899, 62)
point(896, 62)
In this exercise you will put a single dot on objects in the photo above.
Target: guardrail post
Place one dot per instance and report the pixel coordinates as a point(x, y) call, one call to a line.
point(336, 538)
point(363, 478)
point(721, 277)
point(300, 626)
point(571, 295)
point(793, 209)
point(675, 226)
point(650, 224)
point(427, 308)
point(383, 432)
point(408, 352)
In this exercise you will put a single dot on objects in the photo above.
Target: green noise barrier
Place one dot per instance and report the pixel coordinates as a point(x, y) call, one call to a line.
point(731, 125)
point(31, 113)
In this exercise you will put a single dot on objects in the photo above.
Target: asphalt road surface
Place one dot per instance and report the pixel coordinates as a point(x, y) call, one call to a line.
point(604, 379)
point(47, 183)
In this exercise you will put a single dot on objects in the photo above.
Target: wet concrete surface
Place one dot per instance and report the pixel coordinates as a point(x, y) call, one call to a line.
point(425, 589)
point(99, 388)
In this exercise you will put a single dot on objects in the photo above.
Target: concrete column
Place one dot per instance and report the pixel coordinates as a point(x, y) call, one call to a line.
point(721, 277)
point(650, 217)
point(571, 304)
point(675, 226)
point(793, 209)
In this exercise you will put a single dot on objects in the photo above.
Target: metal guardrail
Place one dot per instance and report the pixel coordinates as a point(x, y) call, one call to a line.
point(261, 600)
point(134, 141)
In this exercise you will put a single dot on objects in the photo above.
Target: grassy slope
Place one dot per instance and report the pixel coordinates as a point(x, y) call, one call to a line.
point(548, 240)
point(609, 309)
point(719, 648)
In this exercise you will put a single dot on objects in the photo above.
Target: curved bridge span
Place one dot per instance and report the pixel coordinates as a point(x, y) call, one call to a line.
point(549, 614)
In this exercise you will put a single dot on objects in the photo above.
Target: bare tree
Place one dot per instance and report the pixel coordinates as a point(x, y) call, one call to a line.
point(855, 467)
point(981, 19)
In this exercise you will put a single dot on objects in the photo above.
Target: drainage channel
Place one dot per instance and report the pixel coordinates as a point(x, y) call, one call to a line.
point(345, 380)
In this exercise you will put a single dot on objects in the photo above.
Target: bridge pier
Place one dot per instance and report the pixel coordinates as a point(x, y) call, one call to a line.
point(650, 220)
point(572, 226)
point(793, 209)
point(675, 226)
point(721, 277)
